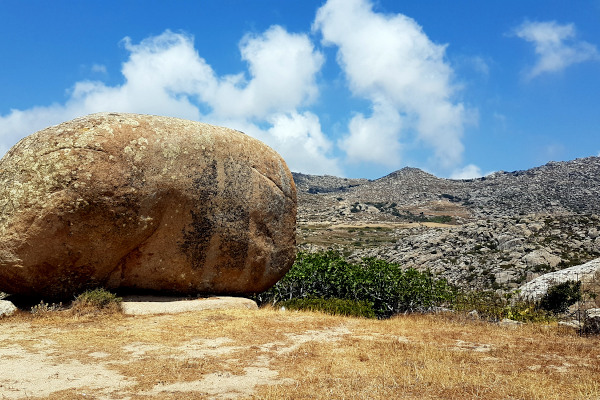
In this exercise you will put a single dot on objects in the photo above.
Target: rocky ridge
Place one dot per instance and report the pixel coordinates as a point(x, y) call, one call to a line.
point(557, 187)
point(497, 232)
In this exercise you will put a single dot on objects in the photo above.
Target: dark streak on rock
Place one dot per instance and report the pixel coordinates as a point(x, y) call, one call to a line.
point(235, 215)
point(196, 238)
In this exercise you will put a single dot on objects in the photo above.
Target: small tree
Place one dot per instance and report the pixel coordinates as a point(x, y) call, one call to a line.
point(560, 297)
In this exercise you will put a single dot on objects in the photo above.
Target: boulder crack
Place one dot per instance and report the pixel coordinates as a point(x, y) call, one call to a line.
point(72, 148)
point(288, 196)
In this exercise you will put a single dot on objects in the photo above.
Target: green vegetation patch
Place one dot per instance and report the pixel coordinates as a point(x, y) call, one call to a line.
point(492, 306)
point(326, 282)
point(389, 288)
point(560, 297)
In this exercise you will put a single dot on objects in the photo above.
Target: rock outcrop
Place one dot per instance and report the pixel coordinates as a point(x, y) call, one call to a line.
point(591, 325)
point(144, 202)
point(144, 305)
point(557, 187)
point(585, 273)
point(500, 253)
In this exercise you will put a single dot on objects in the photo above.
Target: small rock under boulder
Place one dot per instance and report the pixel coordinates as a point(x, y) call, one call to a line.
point(144, 305)
point(127, 201)
point(7, 308)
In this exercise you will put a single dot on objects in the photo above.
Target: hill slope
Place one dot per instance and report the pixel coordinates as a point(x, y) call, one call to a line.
point(497, 231)
point(557, 187)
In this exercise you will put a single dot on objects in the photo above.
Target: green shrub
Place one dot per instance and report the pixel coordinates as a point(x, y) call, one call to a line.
point(344, 307)
point(559, 298)
point(385, 285)
point(493, 306)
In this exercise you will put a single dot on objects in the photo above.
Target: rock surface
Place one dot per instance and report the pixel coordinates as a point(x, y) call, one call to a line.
point(147, 203)
point(144, 305)
point(592, 321)
point(7, 308)
point(536, 288)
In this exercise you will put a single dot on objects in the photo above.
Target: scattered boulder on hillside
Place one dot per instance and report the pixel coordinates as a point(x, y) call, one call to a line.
point(541, 257)
point(538, 287)
point(129, 201)
point(592, 321)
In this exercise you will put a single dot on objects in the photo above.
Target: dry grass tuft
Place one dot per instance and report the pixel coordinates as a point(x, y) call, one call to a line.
point(94, 302)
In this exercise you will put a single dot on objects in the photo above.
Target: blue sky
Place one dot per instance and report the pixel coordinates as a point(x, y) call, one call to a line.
point(355, 88)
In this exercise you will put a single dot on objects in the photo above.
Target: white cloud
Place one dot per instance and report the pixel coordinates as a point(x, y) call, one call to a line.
point(165, 75)
point(282, 67)
point(479, 64)
point(470, 171)
point(300, 141)
point(389, 60)
point(555, 45)
point(360, 144)
point(99, 68)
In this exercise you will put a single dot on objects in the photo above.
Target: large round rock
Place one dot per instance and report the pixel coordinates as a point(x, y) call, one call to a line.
point(144, 202)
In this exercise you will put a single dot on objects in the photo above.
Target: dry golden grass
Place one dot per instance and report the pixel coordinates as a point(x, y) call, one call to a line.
point(269, 354)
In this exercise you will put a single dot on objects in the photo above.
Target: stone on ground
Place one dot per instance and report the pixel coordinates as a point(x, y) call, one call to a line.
point(591, 324)
point(7, 308)
point(143, 305)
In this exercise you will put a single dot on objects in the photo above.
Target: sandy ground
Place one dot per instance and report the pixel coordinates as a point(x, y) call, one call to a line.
point(39, 360)
point(273, 353)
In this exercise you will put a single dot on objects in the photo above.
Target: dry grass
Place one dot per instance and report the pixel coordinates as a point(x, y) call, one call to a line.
point(359, 233)
point(268, 354)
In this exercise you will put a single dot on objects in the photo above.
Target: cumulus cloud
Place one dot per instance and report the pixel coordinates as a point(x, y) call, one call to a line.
point(382, 148)
point(282, 70)
point(165, 75)
point(298, 136)
point(470, 171)
point(555, 45)
point(389, 60)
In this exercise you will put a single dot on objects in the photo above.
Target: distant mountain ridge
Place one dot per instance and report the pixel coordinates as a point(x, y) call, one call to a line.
point(556, 187)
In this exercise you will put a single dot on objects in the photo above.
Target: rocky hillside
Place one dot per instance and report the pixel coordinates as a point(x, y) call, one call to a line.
point(557, 187)
point(498, 231)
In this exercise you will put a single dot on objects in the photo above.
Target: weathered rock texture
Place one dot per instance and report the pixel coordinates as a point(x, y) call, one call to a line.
point(586, 273)
point(592, 322)
point(7, 308)
point(144, 202)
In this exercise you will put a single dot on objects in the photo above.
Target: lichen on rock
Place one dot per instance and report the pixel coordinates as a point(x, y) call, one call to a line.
point(130, 201)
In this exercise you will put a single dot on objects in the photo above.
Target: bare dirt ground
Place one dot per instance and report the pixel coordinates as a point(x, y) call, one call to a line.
point(274, 354)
